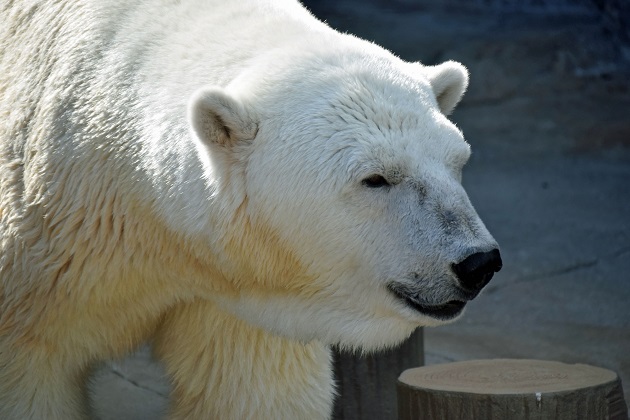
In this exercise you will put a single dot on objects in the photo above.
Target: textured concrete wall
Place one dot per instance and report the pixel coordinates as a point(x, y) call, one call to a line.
point(529, 6)
point(613, 16)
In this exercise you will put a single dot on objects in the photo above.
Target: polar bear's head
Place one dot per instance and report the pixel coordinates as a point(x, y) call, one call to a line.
point(342, 183)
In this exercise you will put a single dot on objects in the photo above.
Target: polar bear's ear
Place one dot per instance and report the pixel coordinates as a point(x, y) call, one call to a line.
point(449, 81)
point(218, 117)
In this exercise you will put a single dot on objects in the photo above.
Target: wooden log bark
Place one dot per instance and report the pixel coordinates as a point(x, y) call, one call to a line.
point(367, 383)
point(510, 389)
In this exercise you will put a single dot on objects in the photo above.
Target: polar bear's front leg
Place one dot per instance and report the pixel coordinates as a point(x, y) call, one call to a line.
point(36, 384)
point(222, 367)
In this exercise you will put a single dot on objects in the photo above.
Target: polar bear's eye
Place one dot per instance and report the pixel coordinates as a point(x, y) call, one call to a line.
point(375, 181)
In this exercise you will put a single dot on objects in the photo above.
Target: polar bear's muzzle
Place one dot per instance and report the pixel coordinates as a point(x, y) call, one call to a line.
point(473, 274)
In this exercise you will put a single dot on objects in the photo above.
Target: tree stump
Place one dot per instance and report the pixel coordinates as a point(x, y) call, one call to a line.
point(367, 383)
point(510, 389)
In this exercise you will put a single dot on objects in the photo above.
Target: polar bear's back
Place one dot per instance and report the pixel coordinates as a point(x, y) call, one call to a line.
point(109, 80)
point(53, 53)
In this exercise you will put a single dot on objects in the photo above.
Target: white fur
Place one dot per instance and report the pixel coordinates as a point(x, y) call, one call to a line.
point(192, 172)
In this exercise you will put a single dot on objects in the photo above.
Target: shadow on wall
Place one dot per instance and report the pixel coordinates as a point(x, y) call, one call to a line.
point(611, 16)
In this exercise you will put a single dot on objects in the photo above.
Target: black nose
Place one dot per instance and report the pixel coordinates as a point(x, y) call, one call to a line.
point(477, 269)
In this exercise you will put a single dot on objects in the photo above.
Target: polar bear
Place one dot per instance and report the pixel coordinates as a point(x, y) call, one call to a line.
point(235, 182)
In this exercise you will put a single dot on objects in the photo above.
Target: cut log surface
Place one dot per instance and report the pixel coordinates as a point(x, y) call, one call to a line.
point(510, 389)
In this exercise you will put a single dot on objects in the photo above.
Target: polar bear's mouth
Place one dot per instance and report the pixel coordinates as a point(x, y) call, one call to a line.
point(445, 311)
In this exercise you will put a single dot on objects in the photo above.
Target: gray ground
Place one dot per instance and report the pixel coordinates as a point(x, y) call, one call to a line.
point(548, 117)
